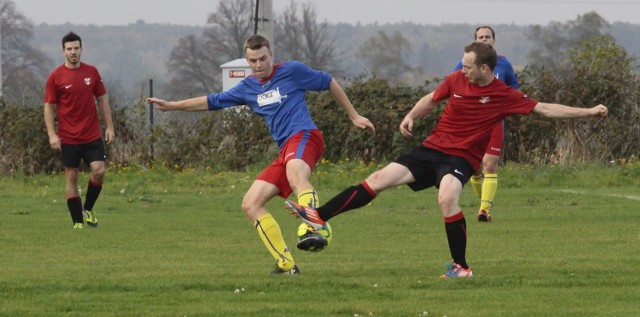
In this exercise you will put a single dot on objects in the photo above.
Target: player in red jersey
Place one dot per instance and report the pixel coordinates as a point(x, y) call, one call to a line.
point(477, 101)
point(71, 92)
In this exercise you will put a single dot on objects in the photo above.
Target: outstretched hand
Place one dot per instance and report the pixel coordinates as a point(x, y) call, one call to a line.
point(160, 104)
point(364, 123)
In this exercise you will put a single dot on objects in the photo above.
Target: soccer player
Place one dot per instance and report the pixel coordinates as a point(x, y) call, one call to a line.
point(277, 94)
point(485, 180)
point(477, 101)
point(71, 92)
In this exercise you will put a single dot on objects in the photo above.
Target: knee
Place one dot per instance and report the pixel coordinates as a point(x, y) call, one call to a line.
point(447, 204)
point(250, 209)
point(98, 174)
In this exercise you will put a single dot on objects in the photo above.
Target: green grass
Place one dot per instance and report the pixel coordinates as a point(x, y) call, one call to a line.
point(564, 243)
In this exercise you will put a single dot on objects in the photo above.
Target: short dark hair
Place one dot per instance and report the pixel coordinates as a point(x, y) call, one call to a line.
point(256, 42)
point(485, 54)
point(71, 37)
point(493, 33)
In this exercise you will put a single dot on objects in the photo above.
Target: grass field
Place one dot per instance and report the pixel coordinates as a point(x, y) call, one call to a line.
point(565, 241)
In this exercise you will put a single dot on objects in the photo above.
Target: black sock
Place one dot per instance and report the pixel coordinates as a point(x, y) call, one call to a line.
point(350, 198)
point(93, 191)
point(456, 227)
point(75, 209)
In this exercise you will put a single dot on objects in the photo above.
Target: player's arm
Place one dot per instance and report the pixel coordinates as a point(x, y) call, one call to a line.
point(423, 107)
point(105, 110)
point(341, 97)
point(558, 111)
point(193, 104)
point(49, 121)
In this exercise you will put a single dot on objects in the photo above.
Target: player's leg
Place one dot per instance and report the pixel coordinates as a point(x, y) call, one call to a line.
point(71, 155)
point(74, 202)
point(490, 166)
point(355, 197)
point(489, 186)
point(300, 154)
point(476, 183)
point(95, 155)
point(268, 229)
point(455, 225)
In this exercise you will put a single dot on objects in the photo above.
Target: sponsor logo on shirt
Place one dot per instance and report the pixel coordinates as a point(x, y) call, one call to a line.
point(67, 86)
point(270, 97)
point(484, 99)
point(457, 96)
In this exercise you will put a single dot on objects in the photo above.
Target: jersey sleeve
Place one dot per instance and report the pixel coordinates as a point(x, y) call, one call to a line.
point(522, 104)
point(99, 89)
point(229, 98)
point(309, 79)
point(50, 93)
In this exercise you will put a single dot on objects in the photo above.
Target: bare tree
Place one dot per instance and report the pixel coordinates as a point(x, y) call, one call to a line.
point(193, 69)
point(299, 36)
point(553, 41)
point(228, 28)
point(195, 61)
point(24, 68)
point(385, 56)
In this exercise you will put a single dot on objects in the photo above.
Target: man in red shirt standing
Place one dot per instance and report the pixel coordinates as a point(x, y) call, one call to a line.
point(477, 101)
point(72, 91)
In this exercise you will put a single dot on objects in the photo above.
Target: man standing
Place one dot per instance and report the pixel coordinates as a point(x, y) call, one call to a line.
point(278, 94)
point(477, 101)
point(71, 92)
point(485, 181)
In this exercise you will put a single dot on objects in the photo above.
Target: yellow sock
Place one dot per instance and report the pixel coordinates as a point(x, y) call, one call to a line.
point(309, 198)
point(489, 187)
point(476, 183)
point(269, 232)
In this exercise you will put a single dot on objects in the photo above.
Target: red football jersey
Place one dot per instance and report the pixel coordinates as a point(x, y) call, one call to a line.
point(74, 92)
point(471, 113)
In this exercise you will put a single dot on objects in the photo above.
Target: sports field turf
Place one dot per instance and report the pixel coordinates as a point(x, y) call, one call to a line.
point(177, 244)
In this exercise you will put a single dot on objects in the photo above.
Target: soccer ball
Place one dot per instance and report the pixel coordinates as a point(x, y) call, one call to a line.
point(304, 231)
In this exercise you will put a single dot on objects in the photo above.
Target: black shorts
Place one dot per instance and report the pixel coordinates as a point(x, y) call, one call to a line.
point(89, 152)
point(429, 166)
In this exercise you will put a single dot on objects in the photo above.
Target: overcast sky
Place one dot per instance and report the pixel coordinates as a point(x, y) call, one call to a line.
point(194, 12)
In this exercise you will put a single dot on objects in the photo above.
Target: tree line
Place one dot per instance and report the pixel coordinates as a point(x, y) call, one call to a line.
point(578, 63)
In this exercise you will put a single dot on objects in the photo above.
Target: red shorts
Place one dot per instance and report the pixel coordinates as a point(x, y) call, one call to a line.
point(495, 144)
point(307, 145)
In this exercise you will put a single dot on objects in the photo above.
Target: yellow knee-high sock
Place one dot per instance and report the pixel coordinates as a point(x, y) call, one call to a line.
point(489, 187)
point(309, 198)
point(271, 236)
point(476, 184)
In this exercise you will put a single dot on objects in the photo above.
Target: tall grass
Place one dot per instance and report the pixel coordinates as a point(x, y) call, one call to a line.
point(564, 242)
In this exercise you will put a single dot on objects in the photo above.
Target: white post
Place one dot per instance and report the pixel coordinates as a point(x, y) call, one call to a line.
point(265, 19)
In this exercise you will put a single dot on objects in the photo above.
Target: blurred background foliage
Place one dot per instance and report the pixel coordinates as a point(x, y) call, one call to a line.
point(597, 71)
point(577, 63)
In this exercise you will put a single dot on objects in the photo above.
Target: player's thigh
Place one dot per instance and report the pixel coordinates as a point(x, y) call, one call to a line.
point(389, 176)
point(259, 194)
point(298, 172)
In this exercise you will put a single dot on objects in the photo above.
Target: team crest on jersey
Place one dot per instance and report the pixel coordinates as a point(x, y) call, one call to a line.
point(87, 81)
point(270, 97)
point(485, 99)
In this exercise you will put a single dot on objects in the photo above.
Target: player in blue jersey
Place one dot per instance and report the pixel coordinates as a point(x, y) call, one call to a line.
point(485, 180)
point(277, 94)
